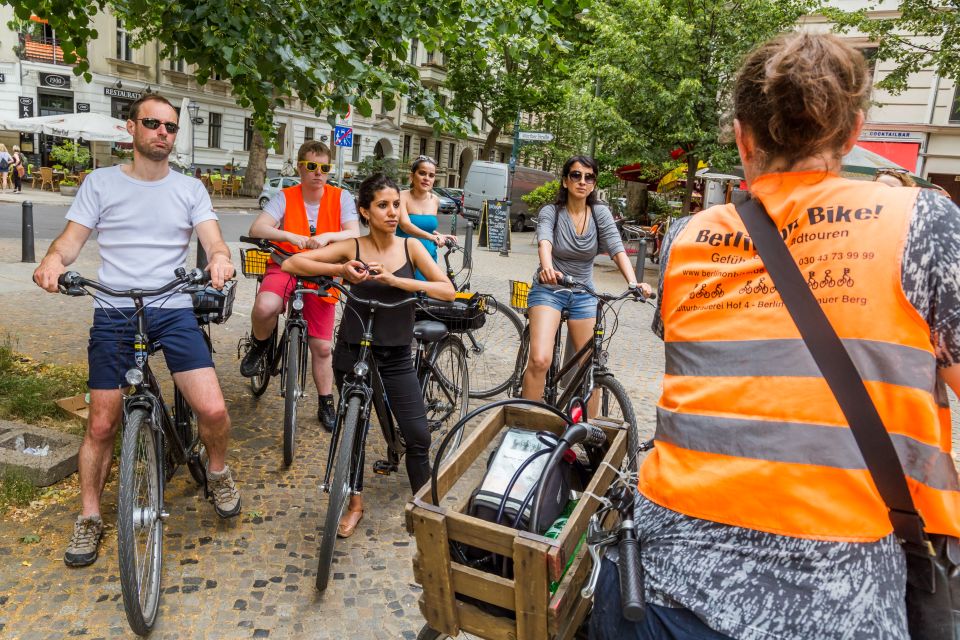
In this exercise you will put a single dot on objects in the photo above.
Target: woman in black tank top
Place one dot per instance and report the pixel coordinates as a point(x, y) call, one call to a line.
point(380, 266)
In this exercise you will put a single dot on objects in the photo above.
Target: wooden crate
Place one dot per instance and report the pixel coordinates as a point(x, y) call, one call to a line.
point(537, 560)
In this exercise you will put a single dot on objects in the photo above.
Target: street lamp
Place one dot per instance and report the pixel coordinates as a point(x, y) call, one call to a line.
point(194, 109)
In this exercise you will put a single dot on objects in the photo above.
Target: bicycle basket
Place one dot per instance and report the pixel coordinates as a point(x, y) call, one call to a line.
point(518, 295)
point(466, 313)
point(210, 305)
point(253, 262)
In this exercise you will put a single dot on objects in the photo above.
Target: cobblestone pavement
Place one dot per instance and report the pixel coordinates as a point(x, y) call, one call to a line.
point(252, 576)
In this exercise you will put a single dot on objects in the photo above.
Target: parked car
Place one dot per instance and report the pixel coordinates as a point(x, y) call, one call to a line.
point(454, 194)
point(448, 206)
point(273, 185)
point(490, 180)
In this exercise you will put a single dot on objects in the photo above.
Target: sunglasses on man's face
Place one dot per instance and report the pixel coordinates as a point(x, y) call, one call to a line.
point(153, 123)
point(576, 176)
point(311, 166)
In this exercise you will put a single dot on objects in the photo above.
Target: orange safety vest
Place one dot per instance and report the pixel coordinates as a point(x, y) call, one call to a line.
point(328, 220)
point(748, 432)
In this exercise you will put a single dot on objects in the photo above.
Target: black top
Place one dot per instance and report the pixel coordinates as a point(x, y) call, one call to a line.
point(391, 327)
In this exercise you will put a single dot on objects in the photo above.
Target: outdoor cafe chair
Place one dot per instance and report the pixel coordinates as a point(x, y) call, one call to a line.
point(218, 185)
point(46, 178)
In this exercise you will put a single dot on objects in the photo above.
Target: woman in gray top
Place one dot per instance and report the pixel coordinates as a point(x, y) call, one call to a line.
point(570, 234)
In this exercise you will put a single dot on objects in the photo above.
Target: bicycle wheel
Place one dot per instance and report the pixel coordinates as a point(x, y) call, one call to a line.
point(446, 394)
point(186, 421)
point(426, 633)
point(261, 380)
point(291, 392)
point(339, 490)
point(615, 403)
point(139, 521)
point(490, 349)
point(520, 364)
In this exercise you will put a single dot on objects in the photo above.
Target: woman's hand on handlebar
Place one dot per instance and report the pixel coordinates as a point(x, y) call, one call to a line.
point(445, 240)
point(645, 289)
point(549, 275)
point(355, 271)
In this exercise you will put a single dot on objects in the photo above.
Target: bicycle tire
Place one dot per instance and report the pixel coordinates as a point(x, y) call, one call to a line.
point(140, 462)
point(187, 430)
point(500, 334)
point(291, 393)
point(612, 391)
point(338, 491)
point(446, 394)
point(261, 380)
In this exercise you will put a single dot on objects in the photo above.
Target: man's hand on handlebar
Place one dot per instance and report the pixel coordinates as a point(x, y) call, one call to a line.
point(47, 273)
point(220, 269)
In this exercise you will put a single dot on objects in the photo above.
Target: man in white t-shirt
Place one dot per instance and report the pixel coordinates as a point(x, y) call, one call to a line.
point(309, 215)
point(144, 215)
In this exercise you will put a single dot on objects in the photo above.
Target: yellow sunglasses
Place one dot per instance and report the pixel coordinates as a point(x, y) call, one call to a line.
point(311, 166)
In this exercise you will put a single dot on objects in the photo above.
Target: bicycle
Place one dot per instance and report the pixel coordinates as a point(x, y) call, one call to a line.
point(586, 370)
point(440, 363)
point(156, 440)
point(286, 353)
point(499, 334)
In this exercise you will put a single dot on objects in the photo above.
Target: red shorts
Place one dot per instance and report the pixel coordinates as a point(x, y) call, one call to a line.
point(318, 314)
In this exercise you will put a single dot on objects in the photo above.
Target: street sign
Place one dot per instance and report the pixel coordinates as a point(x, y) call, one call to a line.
point(536, 136)
point(343, 136)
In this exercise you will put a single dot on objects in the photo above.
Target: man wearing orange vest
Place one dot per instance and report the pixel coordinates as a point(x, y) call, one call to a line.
point(306, 216)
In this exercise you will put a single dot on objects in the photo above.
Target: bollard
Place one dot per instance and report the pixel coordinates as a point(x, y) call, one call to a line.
point(641, 260)
point(453, 223)
point(468, 246)
point(201, 256)
point(505, 247)
point(26, 234)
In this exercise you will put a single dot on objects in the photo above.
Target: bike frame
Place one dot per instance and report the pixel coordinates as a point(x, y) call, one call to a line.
point(294, 318)
point(588, 362)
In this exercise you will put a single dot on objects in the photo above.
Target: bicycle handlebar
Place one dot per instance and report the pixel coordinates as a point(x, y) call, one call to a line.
point(266, 245)
point(72, 283)
point(569, 282)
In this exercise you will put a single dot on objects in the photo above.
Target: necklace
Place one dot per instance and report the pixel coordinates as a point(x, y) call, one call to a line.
point(579, 221)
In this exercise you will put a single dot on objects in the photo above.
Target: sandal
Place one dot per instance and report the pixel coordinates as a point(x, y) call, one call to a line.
point(348, 523)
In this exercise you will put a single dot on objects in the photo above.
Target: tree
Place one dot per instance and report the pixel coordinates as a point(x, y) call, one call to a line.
point(924, 34)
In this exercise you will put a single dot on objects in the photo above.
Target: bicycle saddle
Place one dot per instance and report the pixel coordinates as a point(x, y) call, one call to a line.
point(429, 330)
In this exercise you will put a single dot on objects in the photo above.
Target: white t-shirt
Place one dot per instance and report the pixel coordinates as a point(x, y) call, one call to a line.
point(277, 206)
point(144, 228)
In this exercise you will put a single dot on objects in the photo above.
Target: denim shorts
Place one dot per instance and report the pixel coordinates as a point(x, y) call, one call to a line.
point(580, 305)
point(110, 351)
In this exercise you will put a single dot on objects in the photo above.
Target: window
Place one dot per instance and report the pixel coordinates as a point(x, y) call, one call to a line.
point(955, 109)
point(414, 51)
point(176, 62)
point(870, 55)
point(483, 119)
point(429, 57)
point(450, 153)
point(383, 105)
point(124, 50)
point(216, 76)
point(213, 130)
point(355, 150)
point(423, 146)
point(279, 145)
point(411, 108)
point(308, 134)
point(443, 101)
point(437, 152)
point(247, 133)
point(406, 148)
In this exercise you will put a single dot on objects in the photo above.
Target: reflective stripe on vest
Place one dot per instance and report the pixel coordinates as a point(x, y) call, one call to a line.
point(295, 221)
point(749, 434)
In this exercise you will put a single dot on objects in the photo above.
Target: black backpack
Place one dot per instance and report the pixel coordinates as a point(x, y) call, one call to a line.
point(4, 164)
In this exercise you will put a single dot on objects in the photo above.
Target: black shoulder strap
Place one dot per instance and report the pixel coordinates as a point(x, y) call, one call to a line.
point(357, 243)
point(839, 371)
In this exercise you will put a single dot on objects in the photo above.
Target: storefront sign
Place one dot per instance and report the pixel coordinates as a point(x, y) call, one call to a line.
point(54, 81)
point(121, 93)
point(83, 107)
point(892, 136)
point(26, 107)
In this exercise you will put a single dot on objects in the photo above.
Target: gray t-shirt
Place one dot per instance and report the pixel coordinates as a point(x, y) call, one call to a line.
point(573, 254)
point(277, 206)
point(754, 585)
point(143, 228)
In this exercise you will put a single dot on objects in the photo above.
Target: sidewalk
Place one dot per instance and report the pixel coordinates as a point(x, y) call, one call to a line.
point(221, 205)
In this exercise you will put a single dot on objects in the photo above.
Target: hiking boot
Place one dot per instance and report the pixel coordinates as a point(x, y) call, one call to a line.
point(327, 413)
point(250, 365)
point(223, 490)
point(85, 542)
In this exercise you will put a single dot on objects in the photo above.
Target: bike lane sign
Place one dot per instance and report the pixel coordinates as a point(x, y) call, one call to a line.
point(343, 136)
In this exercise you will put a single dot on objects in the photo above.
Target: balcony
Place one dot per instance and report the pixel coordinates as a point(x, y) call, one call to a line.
point(42, 49)
point(433, 74)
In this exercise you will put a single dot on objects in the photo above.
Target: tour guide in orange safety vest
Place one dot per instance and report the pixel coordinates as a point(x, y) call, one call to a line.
point(328, 220)
point(748, 431)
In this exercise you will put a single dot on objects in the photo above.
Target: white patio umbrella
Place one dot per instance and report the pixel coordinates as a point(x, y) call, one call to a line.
point(89, 126)
point(183, 148)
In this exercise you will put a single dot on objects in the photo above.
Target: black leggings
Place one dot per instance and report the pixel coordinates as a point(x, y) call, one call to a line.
point(395, 365)
point(17, 182)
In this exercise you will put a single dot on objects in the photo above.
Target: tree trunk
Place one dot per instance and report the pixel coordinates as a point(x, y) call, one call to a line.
point(691, 178)
point(491, 142)
point(256, 166)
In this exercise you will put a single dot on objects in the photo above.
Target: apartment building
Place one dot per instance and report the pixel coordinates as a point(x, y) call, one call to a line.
point(918, 129)
point(35, 81)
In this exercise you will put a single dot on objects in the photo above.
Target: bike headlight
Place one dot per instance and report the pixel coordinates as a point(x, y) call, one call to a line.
point(134, 377)
point(361, 369)
point(298, 304)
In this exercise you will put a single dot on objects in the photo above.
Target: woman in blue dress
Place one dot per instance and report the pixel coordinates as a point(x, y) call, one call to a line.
point(419, 206)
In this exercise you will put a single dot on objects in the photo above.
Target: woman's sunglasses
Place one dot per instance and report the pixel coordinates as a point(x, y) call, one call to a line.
point(311, 166)
point(576, 176)
point(153, 124)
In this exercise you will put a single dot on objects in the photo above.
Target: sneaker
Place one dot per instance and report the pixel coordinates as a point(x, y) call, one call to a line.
point(250, 365)
point(223, 490)
point(85, 542)
point(327, 413)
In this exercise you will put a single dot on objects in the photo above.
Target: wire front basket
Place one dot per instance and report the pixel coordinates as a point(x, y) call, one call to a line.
point(466, 313)
point(253, 262)
point(519, 290)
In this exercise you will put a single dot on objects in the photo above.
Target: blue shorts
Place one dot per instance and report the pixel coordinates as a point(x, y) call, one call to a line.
point(110, 352)
point(580, 305)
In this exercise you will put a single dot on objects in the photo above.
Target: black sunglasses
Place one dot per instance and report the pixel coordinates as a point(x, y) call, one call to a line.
point(153, 123)
point(576, 176)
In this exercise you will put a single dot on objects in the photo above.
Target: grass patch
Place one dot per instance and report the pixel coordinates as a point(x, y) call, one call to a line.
point(16, 490)
point(29, 389)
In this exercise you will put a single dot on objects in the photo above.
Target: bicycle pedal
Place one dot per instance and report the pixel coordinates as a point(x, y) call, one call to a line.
point(384, 467)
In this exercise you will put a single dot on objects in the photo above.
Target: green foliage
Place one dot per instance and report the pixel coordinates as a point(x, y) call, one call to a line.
point(68, 182)
point(542, 195)
point(923, 34)
point(28, 390)
point(371, 165)
point(16, 490)
point(71, 155)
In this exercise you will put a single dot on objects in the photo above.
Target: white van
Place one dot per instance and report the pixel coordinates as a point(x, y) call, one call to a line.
point(489, 180)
